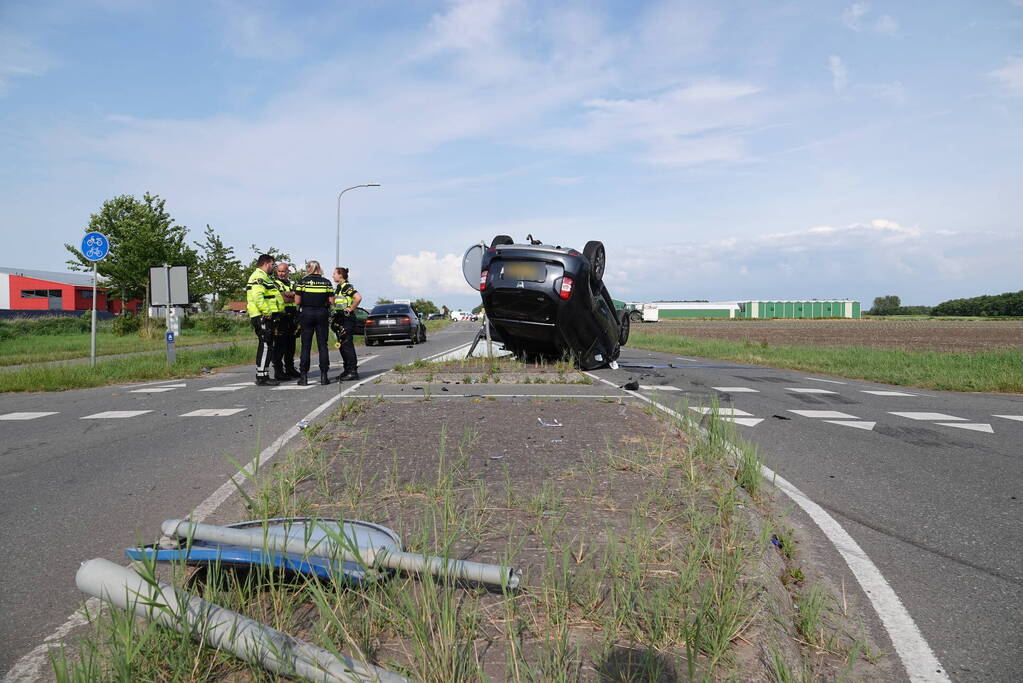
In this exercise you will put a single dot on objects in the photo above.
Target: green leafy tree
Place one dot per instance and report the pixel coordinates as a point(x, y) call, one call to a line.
point(278, 257)
point(219, 273)
point(425, 306)
point(384, 301)
point(477, 309)
point(141, 234)
point(886, 305)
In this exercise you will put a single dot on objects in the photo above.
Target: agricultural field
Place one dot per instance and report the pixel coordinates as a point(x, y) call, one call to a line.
point(911, 335)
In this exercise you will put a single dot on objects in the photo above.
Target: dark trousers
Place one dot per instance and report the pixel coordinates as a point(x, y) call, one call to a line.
point(284, 344)
point(349, 361)
point(314, 321)
point(265, 350)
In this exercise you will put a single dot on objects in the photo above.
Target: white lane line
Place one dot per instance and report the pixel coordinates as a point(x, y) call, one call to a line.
point(115, 414)
point(737, 390)
point(155, 390)
point(229, 388)
point(435, 395)
point(885, 393)
point(973, 426)
point(25, 416)
point(916, 655)
point(810, 390)
point(825, 414)
point(1017, 418)
point(829, 381)
point(858, 424)
point(729, 412)
point(928, 416)
point(658, 387)
point(296, 387)
point(250, 383)
point(213, 412)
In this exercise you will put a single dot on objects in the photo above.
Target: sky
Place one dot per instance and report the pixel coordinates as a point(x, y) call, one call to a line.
point(758, 149)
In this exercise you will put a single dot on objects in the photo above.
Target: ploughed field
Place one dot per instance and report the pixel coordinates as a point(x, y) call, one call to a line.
point(914, 335)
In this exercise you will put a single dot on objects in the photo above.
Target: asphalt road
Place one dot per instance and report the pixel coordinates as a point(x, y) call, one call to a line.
point(74, 487)
point(928, 483)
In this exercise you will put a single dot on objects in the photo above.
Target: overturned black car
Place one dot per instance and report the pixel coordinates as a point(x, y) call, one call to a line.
point(550, 301)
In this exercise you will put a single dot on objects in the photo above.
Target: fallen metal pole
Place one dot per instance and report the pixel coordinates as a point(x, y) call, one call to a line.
point(493, 574)
point(221, 628)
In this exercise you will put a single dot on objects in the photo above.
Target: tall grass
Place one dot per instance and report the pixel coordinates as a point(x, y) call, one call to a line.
point(984, 371)
point(37, 348)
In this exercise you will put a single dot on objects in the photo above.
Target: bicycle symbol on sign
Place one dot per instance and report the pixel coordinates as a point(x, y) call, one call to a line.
point(95, 253)
point(94, 241)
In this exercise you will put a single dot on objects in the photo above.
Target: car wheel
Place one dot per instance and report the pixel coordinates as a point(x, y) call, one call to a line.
point(626, 325)
point(501, 240)
point(594, 253)
point(636, 317)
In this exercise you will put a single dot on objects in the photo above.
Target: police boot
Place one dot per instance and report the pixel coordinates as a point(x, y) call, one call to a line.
point(266, 382)
point(280, 375)
point(303, 380)
point(347, 376)
point(323, 377)
point(293, 371)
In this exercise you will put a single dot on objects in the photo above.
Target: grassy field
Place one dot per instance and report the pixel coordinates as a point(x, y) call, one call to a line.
point(995, 371)
point(43, 348)
point(642, 560)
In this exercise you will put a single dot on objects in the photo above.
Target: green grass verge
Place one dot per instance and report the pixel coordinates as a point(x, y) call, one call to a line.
point(984, 371)
point(43, 348)
point(114, 371)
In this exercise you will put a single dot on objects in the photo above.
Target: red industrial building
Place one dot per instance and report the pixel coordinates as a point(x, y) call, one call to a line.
point(42, 290)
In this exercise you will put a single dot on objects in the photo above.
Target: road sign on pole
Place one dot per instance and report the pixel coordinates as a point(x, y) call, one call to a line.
point(95, 247)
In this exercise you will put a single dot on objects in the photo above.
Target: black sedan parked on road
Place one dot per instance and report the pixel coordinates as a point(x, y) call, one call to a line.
point(551, 301)
point(394, 321)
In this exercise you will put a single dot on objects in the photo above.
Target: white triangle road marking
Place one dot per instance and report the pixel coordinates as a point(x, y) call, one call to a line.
point(658, 387)
point(737, 390)
point(745, 421)
point(928, 416)
point(974, 426)
point(829, 381)
point(858, 424)
point(810, 390)
point(885, 393)
point(729, 412)
point(1017, 418)
point(825, 414)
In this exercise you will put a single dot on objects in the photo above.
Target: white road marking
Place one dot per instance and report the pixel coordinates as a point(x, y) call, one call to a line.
point(917, 657)
point(829, 381)
point(928, 416)
point(115, 414)
point(156, 390)
point(250, 383)
point(296, 387)
point(213, 412)
point(825, 414)
point(433, 395)
point(737, 390)
point(691, 360)
point(974, 426)
point(658, 387)
point(24, 416)
point(730, 412)
point(885, 393)
point(808, 390)
point(858, 424)
point(229, 387)
point(1017, 418)
point(30, 666)
point(744, 421)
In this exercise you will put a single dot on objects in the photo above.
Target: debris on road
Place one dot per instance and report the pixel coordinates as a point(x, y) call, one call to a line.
point(631, 386)
point(549, 423)
point(302, 424)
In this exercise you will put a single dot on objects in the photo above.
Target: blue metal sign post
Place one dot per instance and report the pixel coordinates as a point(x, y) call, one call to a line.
point(95, 247)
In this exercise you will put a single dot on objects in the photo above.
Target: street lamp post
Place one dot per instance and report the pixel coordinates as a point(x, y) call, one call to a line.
point(337, 243)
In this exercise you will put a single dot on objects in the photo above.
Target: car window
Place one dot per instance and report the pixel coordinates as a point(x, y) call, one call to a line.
point(390, 309)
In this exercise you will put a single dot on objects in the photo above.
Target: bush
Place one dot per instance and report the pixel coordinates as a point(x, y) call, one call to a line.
point(126, 324)
point(213, 323)
point(45, 326)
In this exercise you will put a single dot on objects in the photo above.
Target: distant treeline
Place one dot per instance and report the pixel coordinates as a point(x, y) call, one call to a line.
point(989, 305)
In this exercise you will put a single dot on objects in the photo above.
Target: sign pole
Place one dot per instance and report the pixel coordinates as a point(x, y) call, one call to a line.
point(95, 248)
point(93, 345)
point(171, 356)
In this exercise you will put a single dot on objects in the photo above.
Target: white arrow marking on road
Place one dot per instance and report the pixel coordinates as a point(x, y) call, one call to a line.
point(807, 390)
point(886, 393)
point(829, 381)
point(737, 390)
point(928, 416)
point(116, 414)
point(24, 416)
point(974, 426)
point(650, 387)
point(213, 412)
point(1017, 418)
point(858, 424)
point(821, 414)
point(745, 421)
point(731, 412)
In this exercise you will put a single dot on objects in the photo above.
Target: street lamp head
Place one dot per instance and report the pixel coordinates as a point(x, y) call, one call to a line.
point(373, 185)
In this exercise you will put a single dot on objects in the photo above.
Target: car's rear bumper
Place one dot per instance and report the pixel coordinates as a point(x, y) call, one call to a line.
point(388, 332)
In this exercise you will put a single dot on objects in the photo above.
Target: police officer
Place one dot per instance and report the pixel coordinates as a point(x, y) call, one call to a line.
point(313, 294)
point(346, 300)
point(286, 327)
point(261, 303)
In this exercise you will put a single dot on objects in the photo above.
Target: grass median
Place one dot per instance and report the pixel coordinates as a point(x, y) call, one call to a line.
point(116, 370)
point(43, 348)
point(995, 371)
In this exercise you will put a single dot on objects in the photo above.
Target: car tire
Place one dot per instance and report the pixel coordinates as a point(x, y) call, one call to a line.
point(636, 316)
point(624, 328)
point(594, 253)
point(501, 240)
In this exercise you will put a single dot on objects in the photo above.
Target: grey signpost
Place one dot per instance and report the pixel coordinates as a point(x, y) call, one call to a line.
point(95, 247)
point(168, 287)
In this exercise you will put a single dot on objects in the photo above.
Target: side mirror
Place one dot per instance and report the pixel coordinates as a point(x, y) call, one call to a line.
point(472, 264)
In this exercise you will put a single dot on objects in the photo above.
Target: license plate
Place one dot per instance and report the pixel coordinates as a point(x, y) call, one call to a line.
point(525, 270)
point(388, 322)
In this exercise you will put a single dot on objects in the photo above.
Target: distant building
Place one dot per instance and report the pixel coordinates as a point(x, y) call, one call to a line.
point(45, 290)
point(803, 308)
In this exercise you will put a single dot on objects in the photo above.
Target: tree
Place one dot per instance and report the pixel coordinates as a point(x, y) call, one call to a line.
point(476, 311)
point(445, 311)
point(141, 234)
point(425, 306)
point(384, 301)
point(886, 305)
point(218, 273)
point(278, 256)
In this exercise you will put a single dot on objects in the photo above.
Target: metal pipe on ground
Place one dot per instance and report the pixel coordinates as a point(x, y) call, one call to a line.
point(493, 574)
point(221, 628)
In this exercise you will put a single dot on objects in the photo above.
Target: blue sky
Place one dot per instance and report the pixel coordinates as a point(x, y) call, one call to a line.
point(720, 150)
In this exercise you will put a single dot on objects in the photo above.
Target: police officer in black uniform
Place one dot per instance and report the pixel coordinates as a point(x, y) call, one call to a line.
point(346, 300)
point(314, 296)
point(287, 326)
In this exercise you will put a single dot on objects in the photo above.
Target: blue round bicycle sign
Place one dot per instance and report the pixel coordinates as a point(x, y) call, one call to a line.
point(95, 246)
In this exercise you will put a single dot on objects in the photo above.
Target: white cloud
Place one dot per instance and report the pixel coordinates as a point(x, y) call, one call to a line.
point(855, 19)
point(839, 74)
point(254, 33)
point(1010, 76)
point(428, 274)
point(852, 16)
point(20, 58)
point(886, 25)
